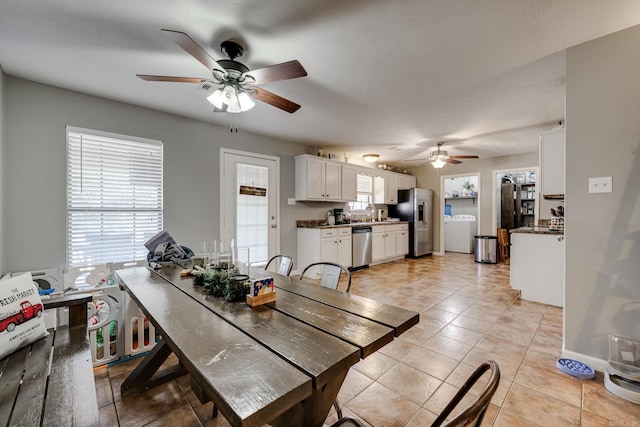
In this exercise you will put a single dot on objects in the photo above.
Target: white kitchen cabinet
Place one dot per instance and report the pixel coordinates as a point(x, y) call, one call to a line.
point(349, 183)
point(390, 241)
point(318, 179)
point(552, 162)
point(385, 189)
point(406, 181)
point(324, 244)
point(377, 243)
point(537, 267)
point(402, 239)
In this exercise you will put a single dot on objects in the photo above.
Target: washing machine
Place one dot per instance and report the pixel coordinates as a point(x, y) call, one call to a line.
point(459, 232)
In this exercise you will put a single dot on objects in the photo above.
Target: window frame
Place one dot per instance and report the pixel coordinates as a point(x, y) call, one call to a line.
point(360, 206)
point(142, 194)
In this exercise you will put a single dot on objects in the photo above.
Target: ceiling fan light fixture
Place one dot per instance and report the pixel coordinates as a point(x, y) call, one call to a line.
point(438, 163)
point(229, 95)
point(370, 158)
point(216, 99)
point(245, 101)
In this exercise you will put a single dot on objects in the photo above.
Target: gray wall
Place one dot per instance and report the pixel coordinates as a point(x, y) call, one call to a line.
point(2, 179)
point(35, 167)
point(603, 230)
point(429, 177)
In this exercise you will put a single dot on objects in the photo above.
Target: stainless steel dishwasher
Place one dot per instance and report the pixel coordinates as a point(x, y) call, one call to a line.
point(361, 246)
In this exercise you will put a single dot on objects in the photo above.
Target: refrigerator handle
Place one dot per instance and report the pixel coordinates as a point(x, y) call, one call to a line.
point(424, 213)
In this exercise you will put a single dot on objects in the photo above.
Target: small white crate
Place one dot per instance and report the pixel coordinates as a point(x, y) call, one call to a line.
point(139, 333)
point(105, 323)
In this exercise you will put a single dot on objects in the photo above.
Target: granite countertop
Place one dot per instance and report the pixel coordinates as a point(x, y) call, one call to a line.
point(536, 230)
point(321, 223)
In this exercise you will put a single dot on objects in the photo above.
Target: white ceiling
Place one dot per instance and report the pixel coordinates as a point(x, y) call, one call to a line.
point(391, 77)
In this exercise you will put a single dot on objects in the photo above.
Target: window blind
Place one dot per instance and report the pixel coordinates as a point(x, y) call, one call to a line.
point(114, 196)
point(364, 183)
point(364, 190)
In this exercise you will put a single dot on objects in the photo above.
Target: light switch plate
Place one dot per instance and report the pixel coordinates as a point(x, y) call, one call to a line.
point(291, 201)
point(601, 184)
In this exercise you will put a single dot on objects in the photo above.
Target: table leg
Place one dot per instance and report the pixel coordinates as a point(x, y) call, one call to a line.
point(144, 376)
point(314, 409)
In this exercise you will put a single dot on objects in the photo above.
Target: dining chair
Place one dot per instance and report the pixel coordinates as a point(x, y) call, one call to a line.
point(347, 422)
point(474, 412)
point(283, 263)
point(331, 273)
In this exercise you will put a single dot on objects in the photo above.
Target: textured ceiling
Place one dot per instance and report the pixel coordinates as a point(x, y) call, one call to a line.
point(392, 77)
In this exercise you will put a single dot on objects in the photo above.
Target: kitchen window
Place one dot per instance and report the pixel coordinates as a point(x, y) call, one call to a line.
point(364, 194)
point(114, 196)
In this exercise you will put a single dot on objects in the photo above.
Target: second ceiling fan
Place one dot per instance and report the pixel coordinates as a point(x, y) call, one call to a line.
point(237, 84)
point(440, 157)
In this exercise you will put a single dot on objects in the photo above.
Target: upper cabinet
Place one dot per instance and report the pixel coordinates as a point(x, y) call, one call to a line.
point(406, 181)
point(349, 182)
point(318, 179)
point(385, 189)
point(552, 165)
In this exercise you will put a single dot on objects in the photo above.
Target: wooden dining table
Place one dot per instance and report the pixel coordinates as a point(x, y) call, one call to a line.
point(281, 364)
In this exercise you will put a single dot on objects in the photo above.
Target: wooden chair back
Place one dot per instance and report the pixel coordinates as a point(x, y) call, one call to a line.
point(503, 244)
point(474, 413)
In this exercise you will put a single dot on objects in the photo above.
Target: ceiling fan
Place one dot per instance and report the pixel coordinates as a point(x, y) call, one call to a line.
point(440, 157)
point(237, 84)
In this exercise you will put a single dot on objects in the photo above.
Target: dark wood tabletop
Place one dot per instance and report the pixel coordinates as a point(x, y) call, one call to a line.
point(282, 363)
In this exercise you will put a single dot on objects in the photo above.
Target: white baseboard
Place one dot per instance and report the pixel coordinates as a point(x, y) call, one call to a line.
point(599, 365)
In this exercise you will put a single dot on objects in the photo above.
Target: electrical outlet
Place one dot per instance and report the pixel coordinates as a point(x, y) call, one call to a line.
point(600, 185)
point(291, 201)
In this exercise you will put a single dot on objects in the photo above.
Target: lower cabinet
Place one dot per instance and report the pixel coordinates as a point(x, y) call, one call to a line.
point(402, 239)
point(324, 244)
point(390, 241)
point(537, 267)
point(377, 244)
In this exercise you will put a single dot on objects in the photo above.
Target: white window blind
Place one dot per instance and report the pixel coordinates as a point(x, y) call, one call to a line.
point(364, 190)
point(114, 196)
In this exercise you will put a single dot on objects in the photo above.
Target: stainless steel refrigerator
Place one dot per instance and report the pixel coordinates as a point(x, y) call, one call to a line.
point(416, 206)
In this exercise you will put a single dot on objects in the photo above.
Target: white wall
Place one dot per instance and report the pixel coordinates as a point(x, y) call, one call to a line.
point(35, 165)
point(429, 177)
point(2, 180)
point(603, 230)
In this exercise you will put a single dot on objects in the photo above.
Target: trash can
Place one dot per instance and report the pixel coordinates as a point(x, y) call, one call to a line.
point(486, 249)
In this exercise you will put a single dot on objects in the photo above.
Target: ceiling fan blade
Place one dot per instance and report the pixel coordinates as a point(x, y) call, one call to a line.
point(275, 100)
point(172, 79)
point(453, 161)
point(465, 157)
point(192, 48)
point(273, 73)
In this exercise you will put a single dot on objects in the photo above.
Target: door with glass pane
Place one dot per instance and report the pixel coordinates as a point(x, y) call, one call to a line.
point(249, 205)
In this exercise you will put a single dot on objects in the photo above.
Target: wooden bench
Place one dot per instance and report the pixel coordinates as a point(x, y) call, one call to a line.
point(50, 382)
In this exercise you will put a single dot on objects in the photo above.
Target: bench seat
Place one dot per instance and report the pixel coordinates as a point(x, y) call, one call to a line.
point(50, 382)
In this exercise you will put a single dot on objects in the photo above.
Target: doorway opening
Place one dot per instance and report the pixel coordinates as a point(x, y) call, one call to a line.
point(515, 198)
point(461, 214)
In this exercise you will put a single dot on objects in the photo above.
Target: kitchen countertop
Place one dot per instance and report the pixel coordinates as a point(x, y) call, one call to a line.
point(536, 230)
point(320, 223)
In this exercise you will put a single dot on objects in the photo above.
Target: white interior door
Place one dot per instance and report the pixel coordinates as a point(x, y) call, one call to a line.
point(250, 203)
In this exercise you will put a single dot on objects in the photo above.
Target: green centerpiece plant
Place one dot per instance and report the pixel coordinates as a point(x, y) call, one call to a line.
point(221, 283)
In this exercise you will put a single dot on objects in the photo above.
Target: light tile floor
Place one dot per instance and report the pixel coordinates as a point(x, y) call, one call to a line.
point(468, 314)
